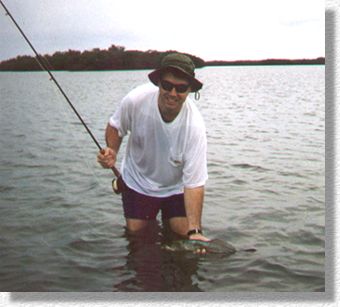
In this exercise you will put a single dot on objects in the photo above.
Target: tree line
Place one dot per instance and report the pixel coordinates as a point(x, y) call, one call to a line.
point(113, 58)
point(317, 61)
point(117, 58)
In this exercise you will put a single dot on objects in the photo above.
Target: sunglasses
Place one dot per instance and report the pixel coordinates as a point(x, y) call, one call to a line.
point(168, 86)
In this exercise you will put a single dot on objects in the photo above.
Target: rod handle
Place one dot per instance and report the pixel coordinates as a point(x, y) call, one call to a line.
point(113, 168)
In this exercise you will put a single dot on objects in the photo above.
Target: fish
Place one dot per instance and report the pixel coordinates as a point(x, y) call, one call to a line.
point(214, 246)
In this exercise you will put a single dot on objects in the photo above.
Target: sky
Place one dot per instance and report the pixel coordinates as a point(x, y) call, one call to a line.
point(209, 29)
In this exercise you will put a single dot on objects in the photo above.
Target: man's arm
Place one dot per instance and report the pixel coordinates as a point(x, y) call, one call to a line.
point(193, 199)
point(107, 158)
point(112, 138)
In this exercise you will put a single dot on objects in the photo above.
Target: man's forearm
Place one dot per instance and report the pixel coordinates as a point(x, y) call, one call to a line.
point(112, 138)
point(193, 199)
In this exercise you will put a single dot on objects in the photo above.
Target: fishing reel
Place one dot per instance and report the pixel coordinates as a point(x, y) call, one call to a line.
point(118, 185)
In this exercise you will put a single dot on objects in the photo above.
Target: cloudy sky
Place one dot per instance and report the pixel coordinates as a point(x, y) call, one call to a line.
point(210, 29)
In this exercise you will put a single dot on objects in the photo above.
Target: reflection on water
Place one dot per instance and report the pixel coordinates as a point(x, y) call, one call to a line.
point(154, 269)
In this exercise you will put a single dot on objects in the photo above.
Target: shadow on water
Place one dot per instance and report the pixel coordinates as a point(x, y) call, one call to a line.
point(151, 269)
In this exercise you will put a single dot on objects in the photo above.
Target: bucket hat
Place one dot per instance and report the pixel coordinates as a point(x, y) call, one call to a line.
point(179, 62)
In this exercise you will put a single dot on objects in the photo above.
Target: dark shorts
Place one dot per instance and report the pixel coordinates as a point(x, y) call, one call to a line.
point(143, 207)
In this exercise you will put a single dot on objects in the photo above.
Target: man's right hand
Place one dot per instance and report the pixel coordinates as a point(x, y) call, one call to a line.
point(107, 157)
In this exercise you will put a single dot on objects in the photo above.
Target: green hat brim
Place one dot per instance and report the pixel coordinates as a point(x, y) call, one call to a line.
point(154, 77)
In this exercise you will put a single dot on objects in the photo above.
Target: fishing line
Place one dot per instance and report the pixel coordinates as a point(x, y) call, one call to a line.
point(42, 63)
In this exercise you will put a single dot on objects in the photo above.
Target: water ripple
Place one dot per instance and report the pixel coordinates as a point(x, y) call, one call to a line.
point(62, 229)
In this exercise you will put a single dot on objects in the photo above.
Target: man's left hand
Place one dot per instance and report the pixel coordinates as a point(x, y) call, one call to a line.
point(199, 237)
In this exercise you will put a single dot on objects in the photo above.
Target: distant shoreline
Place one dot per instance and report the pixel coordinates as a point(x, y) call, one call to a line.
point(117, 58)
point(268, 62)
point(107, 70)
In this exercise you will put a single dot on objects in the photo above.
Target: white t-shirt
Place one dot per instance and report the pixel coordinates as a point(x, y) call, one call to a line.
point(161, 158)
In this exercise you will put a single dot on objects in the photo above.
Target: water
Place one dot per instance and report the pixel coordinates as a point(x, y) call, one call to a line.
point(62, 229)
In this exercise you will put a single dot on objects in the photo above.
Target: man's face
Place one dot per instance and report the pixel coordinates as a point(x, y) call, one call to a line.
point(173, 92)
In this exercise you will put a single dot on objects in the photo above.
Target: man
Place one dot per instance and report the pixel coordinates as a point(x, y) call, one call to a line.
point(165, 165)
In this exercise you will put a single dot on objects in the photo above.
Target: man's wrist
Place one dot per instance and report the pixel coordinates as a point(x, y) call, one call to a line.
point(194, 231)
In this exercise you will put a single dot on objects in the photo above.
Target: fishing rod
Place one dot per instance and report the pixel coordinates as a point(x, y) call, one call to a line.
point(44, 67)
